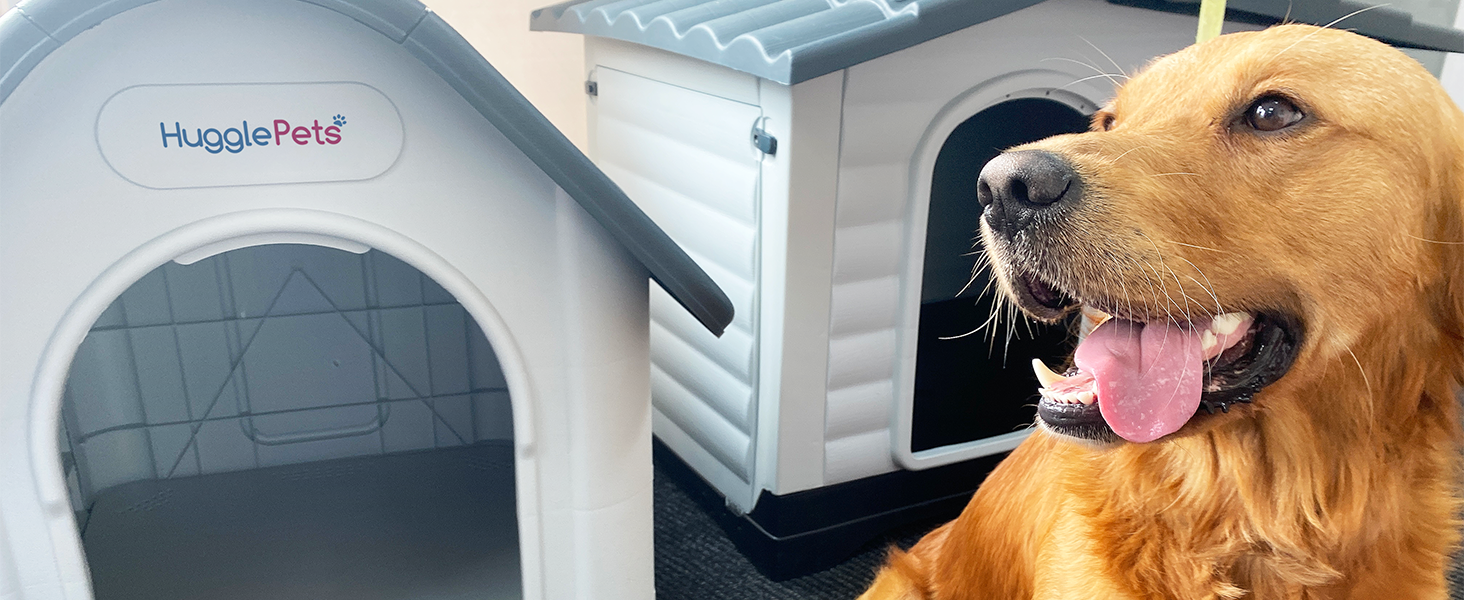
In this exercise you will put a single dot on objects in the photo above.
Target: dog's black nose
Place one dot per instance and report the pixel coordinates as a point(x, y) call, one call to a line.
point(1016, 186)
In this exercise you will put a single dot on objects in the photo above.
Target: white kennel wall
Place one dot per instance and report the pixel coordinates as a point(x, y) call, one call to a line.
point(1453, 73)
point(457, 177)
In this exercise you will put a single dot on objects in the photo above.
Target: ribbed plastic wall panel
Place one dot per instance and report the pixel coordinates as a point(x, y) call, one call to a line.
point(864, 314)
point(687, 159)
point(870, 225)
point(275, 355)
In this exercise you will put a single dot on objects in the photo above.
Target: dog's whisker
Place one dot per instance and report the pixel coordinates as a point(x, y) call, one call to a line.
point(1114, 160)
point(1326, 27)
point(1100, 72)
point(1369, 407)
point(1207, 286)
point(1210, 290)
point(944, 338)
point(1365, 380)
point(1088, 78)
point(1006, 345)
point(1353, 14)
point(1188, 314)
point(990, 319)
point(1175, 173)
point(975, 272)
point(1111, 77)
point(1179, 285)
point(1105, 55)
point(1434, 241)
point(1123, 286)
point(990, 283)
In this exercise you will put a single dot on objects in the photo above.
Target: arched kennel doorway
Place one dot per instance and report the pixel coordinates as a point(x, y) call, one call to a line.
point(973, 376)
point(291, 420)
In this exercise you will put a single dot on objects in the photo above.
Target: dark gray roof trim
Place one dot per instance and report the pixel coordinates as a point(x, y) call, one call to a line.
point(37, 27)
point(791, 41)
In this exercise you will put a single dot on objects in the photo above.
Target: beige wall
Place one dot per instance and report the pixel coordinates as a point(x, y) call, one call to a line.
point(547, 67)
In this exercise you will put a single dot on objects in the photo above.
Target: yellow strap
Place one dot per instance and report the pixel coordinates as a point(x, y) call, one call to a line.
point(1212, 16)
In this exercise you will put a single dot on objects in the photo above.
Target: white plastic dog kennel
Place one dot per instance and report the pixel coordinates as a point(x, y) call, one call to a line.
point(301, 299)
point(819, 158)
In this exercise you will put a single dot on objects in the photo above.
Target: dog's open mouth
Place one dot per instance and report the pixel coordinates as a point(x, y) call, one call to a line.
point(1143, 380)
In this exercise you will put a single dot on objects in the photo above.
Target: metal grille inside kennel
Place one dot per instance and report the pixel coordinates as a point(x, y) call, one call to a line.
point(291, 421)
point(973, 375)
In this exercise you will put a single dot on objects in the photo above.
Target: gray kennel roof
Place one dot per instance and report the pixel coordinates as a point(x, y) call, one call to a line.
point(791, 41)
point(35, 28)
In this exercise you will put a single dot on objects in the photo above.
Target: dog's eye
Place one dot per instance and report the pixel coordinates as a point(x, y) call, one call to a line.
point(1108, 122)
point(1272, 113)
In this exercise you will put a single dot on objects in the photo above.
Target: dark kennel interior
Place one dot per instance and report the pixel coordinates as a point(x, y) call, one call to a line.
point(973, 375)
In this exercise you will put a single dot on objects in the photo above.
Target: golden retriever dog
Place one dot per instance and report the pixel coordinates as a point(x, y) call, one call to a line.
point(1269, 229)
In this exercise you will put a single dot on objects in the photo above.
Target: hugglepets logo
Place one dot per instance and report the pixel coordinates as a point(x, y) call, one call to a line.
point(235, 139)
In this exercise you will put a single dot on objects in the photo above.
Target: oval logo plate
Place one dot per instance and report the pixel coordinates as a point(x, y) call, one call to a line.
point(185, 136)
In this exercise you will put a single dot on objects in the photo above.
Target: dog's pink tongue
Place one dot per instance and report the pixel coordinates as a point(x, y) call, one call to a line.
point(1148, 376)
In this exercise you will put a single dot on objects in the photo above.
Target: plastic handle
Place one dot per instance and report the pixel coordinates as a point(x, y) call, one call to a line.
point(299, 437)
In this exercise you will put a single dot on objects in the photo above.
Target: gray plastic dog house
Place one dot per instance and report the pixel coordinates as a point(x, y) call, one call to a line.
point(302, 298)
point(818, 158)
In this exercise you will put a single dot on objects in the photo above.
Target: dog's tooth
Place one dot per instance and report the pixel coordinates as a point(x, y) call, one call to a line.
point(1208, 340)
point(1225, 324)
point(1087, 397)
point(1044, 374)
point(1092, 318)
point(1095, 314)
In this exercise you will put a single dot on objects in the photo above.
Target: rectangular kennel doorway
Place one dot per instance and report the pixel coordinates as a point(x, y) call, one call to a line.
point(291, 421)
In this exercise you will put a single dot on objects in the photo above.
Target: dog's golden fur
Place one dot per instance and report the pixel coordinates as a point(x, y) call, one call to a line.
point(1339, 482)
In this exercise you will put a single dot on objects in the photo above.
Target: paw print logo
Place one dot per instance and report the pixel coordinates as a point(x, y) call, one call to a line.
point(339, 120)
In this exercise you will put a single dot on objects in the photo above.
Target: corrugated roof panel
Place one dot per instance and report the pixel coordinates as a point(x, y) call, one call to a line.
point(781, 37)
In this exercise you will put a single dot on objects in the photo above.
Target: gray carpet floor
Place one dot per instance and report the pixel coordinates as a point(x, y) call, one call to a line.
point(696, 561)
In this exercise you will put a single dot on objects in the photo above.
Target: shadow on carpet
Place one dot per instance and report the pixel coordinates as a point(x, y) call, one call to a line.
point(696, 561)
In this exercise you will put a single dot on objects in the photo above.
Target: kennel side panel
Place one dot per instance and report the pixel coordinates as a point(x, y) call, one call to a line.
point(688, 161)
